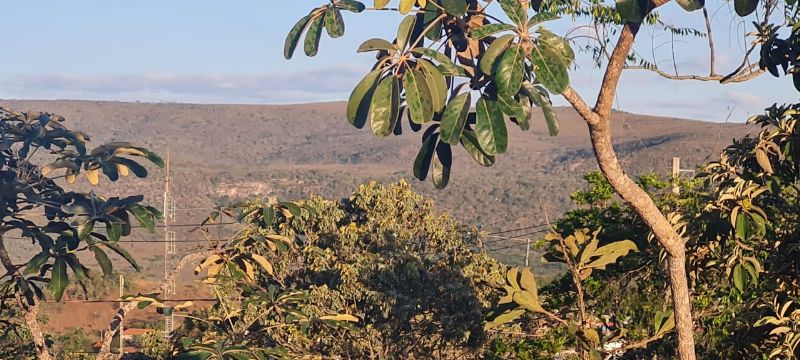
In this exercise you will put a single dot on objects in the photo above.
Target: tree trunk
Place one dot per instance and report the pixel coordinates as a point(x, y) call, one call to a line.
point(32, 321)
point(31, 310)
point(599, 121)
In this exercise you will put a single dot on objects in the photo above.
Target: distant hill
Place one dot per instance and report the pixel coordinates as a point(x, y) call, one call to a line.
point(221, 152)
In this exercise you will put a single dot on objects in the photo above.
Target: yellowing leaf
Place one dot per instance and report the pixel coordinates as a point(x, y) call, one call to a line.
point(122, 169)
point(340, 317)
point(93, 176)
point(264, 263)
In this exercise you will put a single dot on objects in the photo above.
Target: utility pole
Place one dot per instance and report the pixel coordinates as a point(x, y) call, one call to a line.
point(527, 251)
point(122, 318)
point(169, 244)
point(676, 174)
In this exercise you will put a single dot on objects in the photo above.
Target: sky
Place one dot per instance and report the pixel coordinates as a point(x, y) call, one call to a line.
point(214, 51)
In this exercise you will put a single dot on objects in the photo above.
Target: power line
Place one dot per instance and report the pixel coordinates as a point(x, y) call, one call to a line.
point(518, 229)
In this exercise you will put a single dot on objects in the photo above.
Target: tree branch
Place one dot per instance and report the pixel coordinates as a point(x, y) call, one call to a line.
point(614, 70)
point(105, 347)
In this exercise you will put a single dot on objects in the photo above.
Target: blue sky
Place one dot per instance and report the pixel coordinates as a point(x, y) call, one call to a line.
point(207, 51)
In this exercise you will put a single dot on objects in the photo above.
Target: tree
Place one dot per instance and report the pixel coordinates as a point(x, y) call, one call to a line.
point(433, 82)
point(380, 274)
point(37, 152)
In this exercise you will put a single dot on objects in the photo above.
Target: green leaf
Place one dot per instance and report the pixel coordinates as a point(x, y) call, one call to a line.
point(294, 36)
point(268, 214)
point(334, 23)
point(742, 227)
point(114, 231)
point(124, 253)
point(745, 7)
point(102, 260)
point(691, 5)
point(515, 11)
point(633, 10)
point(538, 97)
point(422, 163)
point(432, 14)
point(455, 117)
point(418, 97)
point(351, 5)
point(739, 277)
point(380, 4)
point(490, 127)
point(510, 107)
point(454, 7)
point(504, 318)
point(85, 229)
point(442, 162)
point(404, 30)
point(557, 43)
point(375, 44)
point(489, 30)
point(448, 65)
point(311, 44)
point(36, 262)
point(549, 67)
point(437, 85)
point(540, 18)
point(361, 98)
point(509, 72)
point(76, 267)
point(144, 217)
point(524, 122)
point(489, 57)
point(384, 107)
point(470, 143)
point(59, 279)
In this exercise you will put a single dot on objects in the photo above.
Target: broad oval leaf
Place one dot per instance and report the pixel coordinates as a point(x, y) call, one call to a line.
point(294, 36)
point(418, 96)
point(422, 162)
point(384, 106)
point(441, 164)
point(539, 97)
point(490, 127)
point(691, 5)
point(375, 44)
point(454, 7)
point(549, 67)
point(406, 6)
point(510, 107)
point(632, 10)
point(436, 84)
point(432, 12)
point(102, 260)
point(351, 5)
point(745, 7)
point(490, 29)
point(334, 23)
point(515, 11)
point(455, 117)
point(494, 51)
point(361, 98)
point(510, 69)
point(404, 31)
point(58, 278)
point(448, 65)
point(470, 143)
point(311, 44)
point(380, 4)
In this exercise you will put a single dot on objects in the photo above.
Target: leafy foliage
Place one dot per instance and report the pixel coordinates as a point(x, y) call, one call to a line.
point(378, 274)
point(73, 220)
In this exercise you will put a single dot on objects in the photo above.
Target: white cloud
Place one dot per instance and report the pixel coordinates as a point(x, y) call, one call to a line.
point(331, 83)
